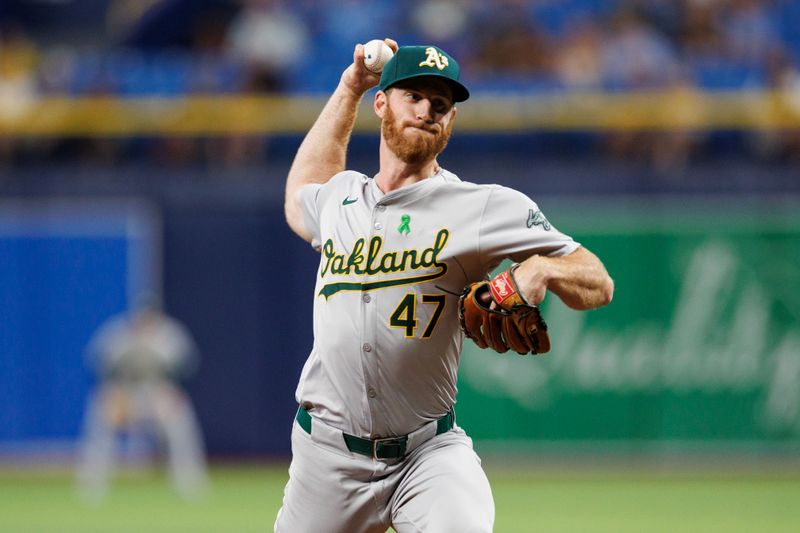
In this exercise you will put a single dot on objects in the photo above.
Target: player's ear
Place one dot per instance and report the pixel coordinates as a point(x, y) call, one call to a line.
point(380, 103)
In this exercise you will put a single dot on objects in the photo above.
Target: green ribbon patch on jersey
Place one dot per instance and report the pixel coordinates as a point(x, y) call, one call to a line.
point(405, 219)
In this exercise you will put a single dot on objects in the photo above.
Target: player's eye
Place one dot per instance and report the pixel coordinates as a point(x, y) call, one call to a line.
point(441, 106)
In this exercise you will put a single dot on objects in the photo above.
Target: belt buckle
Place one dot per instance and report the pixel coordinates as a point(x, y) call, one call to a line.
point(391, 441)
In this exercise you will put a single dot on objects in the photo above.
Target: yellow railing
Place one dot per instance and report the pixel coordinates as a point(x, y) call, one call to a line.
point(262, 115)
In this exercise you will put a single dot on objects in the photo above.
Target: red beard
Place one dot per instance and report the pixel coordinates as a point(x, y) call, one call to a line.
point(418, 149)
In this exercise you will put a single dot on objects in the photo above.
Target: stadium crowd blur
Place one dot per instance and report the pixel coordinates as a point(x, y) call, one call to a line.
point(172, 48)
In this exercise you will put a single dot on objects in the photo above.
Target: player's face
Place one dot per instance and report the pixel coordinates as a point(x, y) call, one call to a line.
point(418, 120)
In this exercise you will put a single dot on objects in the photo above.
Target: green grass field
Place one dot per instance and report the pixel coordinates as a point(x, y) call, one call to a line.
point(245, 498)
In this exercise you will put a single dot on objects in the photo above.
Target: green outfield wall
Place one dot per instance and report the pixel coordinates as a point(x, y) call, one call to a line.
point(700, 346)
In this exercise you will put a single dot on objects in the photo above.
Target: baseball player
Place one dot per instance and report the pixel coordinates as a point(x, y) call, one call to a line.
point(375, 442)
point(139, 356)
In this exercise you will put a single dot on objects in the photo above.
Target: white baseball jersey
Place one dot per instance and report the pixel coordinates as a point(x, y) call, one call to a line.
point(386, 333)
point(136, 351)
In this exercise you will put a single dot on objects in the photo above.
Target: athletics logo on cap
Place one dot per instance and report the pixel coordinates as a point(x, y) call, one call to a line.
point(405, 65)
point(435, 59)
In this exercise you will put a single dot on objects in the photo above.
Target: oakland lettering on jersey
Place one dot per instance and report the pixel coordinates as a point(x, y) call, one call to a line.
point(375, 262)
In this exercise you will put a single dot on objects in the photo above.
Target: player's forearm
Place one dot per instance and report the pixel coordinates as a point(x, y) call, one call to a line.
point(323, 152)
point(579, 279)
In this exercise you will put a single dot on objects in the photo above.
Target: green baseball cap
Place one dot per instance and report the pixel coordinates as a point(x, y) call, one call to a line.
point(415, 61)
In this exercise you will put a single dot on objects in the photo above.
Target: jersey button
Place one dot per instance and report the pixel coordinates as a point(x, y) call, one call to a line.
point(367, 298)
point(367, 347)
point(381, 208)
point(378, 225)
point(371, 392)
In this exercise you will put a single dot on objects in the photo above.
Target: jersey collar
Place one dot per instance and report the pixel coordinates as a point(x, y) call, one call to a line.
point(406, 194)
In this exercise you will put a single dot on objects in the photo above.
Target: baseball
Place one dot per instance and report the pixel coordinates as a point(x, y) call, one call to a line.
point(376, 54)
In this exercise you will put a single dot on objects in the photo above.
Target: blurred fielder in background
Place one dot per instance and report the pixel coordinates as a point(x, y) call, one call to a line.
point(375, 442)
point(139, 359)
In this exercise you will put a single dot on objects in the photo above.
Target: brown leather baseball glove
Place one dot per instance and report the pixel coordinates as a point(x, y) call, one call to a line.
point(495, 314)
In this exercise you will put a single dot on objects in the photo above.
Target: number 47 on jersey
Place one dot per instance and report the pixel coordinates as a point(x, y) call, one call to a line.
point(405, 314)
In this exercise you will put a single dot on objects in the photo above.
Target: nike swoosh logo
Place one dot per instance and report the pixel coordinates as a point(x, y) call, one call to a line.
point(348, 201)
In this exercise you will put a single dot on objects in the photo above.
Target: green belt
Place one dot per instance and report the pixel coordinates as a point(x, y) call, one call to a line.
point(389, 448)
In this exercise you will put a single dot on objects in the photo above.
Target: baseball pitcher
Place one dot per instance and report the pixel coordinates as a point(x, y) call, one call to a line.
point(404, 257)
